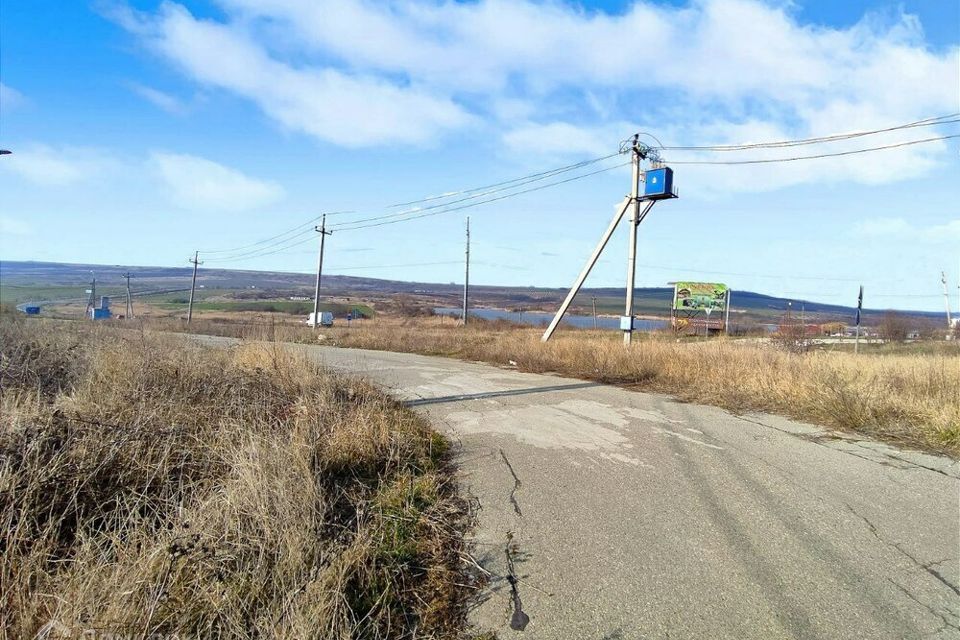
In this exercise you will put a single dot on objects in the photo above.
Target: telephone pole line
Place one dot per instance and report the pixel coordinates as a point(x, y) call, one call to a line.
point(322, 230)
point(195, 261)
point(129, 314)
point(466, 278)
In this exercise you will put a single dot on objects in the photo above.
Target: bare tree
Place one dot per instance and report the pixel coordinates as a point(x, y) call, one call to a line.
point(894, 327)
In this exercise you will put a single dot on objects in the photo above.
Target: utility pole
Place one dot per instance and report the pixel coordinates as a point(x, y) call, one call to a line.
point(91, 301)
point(322, 230)
point(639, 152)
point(129, 314)
point(946, 298)
point(193, 284)
point(594, 300)
point(466, 278)
point(856, 343)
point(632, 255)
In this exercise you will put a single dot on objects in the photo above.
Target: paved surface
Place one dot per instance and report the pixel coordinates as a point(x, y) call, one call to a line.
point(613, 514)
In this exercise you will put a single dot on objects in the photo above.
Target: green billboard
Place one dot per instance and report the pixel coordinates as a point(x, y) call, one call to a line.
point(699, 296)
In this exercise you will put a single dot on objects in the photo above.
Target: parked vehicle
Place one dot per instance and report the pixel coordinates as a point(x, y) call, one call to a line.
point(326, 319)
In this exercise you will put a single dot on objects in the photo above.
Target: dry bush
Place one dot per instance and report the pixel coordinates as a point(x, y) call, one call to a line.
point(152, 486)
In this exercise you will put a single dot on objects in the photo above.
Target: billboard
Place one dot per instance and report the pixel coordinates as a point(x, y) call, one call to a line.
point(699, 296)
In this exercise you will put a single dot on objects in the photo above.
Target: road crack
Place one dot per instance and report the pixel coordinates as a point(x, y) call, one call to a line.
point(519, 619)
point(516, 484)
point(928, 566)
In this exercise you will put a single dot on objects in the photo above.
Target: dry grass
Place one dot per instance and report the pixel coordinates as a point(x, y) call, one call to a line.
point(153, 488)
point(911, 400)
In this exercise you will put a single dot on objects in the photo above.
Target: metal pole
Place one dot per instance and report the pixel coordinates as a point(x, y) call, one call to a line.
point(193, 285)
point(592, 260)
point(322, 230)
point(632, 254)
point(466, 277)
point(594, 299)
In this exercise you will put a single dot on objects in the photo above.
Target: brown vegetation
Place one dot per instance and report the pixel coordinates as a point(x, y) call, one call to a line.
point(150, 487)
point(910, 399)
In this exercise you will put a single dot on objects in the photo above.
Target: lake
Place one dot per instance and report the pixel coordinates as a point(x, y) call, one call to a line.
point(541, 318)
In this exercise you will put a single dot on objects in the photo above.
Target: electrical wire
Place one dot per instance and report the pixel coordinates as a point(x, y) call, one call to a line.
point(813, 157)
point(531, 178)
point(485, 190)
point(926, 122)
point(469, 205)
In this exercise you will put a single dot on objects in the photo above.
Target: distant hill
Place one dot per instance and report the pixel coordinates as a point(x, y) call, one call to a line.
point(19, 280)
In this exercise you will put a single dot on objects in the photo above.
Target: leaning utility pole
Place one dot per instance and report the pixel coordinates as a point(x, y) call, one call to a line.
point(129, 314)
point(632, 250)
point(193, 284)
point(322, 230)
point(466, 277)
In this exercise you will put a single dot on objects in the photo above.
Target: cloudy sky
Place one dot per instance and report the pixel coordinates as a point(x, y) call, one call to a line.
point(145, 130)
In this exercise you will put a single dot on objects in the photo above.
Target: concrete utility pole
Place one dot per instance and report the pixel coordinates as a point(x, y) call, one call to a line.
point(594, 300)
point(91, 301)
point(946, 298)
point(193, 284)
point(322, 230)
point(129, 314)
point(466, 277)
point(632, 250)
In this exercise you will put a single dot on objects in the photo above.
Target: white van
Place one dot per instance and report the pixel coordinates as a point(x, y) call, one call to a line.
point(326, 319)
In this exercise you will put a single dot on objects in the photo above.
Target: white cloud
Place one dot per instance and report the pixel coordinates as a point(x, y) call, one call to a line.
point(10, 98)
point(552, 77)
point(899, 228)
point(346, 109)
point(200, 184)
point(56, 166)
point(11, 227)
point(165, 101)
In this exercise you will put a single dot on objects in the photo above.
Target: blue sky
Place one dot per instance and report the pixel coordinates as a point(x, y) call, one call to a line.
point(142, 131)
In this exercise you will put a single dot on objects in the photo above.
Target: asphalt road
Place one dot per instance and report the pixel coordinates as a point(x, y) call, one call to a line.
point(607, 513)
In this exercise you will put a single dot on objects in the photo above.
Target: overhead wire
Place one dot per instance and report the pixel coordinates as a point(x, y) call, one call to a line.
point(926, 122)
point(813, 157)
point(427, 214)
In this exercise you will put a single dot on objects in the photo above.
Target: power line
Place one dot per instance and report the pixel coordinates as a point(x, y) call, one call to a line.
point(817, 156)
point(927, 122)
point(347, 226)
point(482, 194)
point(489, 189)
point(532, 178)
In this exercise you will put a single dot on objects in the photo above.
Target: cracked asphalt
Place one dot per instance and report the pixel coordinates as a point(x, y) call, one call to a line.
point(611, 514)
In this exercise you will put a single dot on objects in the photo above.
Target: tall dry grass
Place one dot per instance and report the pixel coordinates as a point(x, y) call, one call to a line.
point(912, 400)
point(151, 488)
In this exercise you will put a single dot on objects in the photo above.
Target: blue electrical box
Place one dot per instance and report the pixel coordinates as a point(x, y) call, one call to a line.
point(658, 184)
